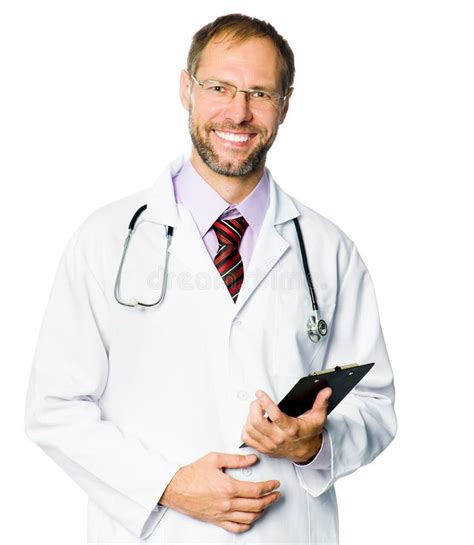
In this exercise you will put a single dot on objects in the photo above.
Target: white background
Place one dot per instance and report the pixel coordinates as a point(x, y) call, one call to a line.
point(379, 139)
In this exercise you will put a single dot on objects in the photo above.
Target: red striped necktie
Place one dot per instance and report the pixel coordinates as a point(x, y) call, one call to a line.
point(228, 260)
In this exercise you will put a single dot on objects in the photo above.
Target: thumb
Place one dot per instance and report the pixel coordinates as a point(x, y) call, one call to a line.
point(236, 460)
point(322, 400)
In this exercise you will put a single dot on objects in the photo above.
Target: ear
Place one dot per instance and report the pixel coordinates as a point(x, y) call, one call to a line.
point(284, 110)
point(184, 90)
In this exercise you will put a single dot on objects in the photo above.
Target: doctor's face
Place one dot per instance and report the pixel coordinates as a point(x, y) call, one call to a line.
point(232, 136)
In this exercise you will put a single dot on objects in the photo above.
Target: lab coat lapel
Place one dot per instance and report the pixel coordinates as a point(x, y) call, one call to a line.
point(162, 207)
point(270, 245)
point(187, 245)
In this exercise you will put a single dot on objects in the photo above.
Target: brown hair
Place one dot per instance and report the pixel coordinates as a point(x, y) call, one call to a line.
point(239, 28)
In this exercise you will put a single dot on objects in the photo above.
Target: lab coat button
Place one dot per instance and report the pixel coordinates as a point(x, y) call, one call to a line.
point(243, 395)
point(247, 471)
point(237, 321)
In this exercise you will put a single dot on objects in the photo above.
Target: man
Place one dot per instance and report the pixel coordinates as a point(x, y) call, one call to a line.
point(145, 407)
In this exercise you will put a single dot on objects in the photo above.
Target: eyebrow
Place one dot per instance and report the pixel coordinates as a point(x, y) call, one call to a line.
point(255, 87)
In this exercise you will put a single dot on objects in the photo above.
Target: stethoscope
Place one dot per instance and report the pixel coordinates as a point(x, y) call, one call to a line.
point(315, 327)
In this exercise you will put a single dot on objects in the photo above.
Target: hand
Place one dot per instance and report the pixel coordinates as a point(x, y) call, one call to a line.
point(203, 491)
point(297, 439)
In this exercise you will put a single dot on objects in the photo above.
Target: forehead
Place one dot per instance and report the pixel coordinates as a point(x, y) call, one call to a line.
point(254, 61)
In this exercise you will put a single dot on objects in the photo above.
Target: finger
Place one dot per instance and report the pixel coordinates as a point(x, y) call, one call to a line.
point(234, 527)
point(254, 505)
point(223, 460)
point(257, 420)
point(278, 417)
point(243, 517)
point(247, 489)
point(261, 442)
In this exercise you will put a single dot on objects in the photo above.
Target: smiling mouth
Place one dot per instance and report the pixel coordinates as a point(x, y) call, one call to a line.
point(235, 137)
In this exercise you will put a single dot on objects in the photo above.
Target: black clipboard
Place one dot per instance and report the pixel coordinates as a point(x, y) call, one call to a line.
point(341, 379)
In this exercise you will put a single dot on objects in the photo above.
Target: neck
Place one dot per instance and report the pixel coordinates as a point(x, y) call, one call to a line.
point(233, 189)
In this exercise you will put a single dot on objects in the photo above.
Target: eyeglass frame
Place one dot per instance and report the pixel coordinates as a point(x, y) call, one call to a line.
point(281, 98)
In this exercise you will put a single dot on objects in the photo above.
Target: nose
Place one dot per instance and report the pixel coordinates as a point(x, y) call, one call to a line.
point(238, 109)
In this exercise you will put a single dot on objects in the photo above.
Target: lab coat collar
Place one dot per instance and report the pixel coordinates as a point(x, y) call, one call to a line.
point(188, 245)
point(163, 209)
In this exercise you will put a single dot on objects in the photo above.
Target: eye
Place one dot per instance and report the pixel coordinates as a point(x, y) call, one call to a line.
point(261, 95)
point(217, 89)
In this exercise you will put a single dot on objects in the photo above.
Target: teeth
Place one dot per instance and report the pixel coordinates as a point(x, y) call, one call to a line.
point(231, 137)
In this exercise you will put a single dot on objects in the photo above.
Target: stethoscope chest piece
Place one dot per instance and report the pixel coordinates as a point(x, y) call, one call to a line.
point(316, 328)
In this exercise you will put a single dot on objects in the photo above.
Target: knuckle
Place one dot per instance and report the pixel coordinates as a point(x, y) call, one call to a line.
point(260, 491)
point(234, 527)
point(229, 527)
point(292, 431)
point(224, 505)
point(278, 441)
point(275, 497)
point(228, 489)
point(253, 420)
point(252, 517)
point(243, 528)
point(246, 518)
point(212, 456)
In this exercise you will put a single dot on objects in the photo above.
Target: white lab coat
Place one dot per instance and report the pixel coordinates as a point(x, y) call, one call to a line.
point(120, 397)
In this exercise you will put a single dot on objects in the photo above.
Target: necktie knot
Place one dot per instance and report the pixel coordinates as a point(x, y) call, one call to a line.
point(230, 232)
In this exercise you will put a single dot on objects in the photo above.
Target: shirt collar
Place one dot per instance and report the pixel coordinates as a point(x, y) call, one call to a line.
point(206, 205)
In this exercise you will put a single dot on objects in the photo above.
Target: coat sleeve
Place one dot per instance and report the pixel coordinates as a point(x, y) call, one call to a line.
point(364, 423)
point(63, 416)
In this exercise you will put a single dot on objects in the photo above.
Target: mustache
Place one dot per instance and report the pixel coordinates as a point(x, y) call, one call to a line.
point(232, 127)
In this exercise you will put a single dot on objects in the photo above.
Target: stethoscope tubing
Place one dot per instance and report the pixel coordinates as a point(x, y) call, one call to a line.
point(307, 273)
point(316, 328)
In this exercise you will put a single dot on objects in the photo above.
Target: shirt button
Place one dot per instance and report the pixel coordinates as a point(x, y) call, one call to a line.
point(243, 395)
point(237, 321)
point(247, 471)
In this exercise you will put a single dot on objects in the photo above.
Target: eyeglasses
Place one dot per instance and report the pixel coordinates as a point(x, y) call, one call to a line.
point(222, 92)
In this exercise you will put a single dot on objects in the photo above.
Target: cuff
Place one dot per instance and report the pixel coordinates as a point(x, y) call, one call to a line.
point(318, 475)
point(154, 512)
point(322, 460)
point(152, 521)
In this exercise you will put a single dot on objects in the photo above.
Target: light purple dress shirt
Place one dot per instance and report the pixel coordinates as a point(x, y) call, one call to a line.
point(206, 206)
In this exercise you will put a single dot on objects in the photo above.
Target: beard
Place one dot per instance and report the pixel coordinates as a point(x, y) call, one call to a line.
point(211, 158)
